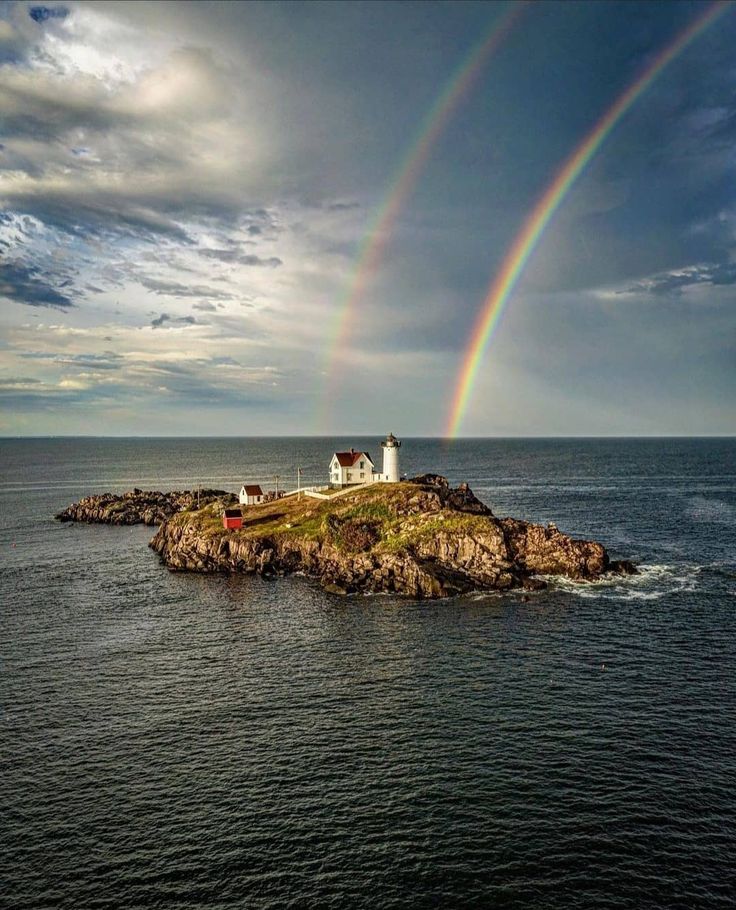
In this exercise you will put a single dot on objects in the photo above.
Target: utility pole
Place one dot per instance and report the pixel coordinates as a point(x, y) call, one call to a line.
point(276, 477)
point(298, 483)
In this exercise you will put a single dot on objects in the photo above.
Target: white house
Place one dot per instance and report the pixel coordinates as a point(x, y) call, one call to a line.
point(349, 468)
point(250, 494)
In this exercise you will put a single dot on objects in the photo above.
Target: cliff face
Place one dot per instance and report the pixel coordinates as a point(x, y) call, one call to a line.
point(420, 538)
point(140, 506)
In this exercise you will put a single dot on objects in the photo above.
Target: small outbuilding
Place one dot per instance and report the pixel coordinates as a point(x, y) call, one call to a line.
point(232, 519)
point(250, 494)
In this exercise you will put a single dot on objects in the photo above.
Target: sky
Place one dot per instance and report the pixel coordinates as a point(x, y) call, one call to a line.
point(187, 189)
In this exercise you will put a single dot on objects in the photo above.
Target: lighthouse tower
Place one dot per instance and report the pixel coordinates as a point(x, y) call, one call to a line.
point(390, 446)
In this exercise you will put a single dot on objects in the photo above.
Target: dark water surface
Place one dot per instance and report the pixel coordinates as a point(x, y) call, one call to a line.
point(176, 741)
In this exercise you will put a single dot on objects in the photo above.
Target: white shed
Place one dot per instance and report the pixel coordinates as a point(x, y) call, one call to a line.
point(250, 494)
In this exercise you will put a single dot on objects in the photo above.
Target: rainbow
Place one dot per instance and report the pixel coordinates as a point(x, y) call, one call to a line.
point(428, 132)
point(528, 237)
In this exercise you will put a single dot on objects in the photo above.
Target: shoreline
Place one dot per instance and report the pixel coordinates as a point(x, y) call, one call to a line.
point(419, 538)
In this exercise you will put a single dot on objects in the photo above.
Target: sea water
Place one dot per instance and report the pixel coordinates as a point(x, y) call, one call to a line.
point(181, 741)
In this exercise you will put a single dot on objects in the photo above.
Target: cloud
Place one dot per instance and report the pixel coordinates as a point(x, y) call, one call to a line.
point(106, 361)
point(205, 157)
point(20, 382)
point(675, 281)
point(161, 373)
point(117, 141)
point(23, 284)
point(44, 13)
point(167, 322)
point(91, 152)
point(234, 255)
point(175, 289)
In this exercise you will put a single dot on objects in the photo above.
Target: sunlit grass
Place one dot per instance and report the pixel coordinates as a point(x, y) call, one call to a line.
point(320, 520)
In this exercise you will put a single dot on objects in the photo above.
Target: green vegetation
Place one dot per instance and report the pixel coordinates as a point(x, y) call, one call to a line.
point(374, 516)
point(426, 526)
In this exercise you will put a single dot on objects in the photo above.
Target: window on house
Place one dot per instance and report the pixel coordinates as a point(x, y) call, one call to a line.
point(350, 476)
point(362, 465)
point(362, 474)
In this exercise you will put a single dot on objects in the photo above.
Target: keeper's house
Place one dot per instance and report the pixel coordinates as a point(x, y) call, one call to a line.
point(250, 494)
point(348, 468)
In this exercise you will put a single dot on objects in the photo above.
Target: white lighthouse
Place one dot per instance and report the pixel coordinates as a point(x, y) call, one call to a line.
point(390, 446)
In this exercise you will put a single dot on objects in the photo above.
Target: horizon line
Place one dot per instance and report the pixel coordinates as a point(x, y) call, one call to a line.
point(364, 435)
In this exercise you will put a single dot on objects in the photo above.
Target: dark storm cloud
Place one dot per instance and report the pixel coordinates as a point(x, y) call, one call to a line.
point(164, 321)
point(141, 167)
point(104, 217)
point(279, 129)
point(234, 255)
point(32, 110)
point(24, 284)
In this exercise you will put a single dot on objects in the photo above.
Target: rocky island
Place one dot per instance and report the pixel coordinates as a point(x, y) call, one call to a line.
point(147, 507)
point(420, 538)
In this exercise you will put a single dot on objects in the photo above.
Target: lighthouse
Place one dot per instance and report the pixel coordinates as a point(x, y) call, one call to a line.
point(390, 446)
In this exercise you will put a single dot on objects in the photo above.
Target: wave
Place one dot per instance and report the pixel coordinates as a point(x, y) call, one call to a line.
point(653, 582)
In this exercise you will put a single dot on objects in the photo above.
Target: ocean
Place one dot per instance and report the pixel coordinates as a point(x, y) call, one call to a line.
point(183, 741)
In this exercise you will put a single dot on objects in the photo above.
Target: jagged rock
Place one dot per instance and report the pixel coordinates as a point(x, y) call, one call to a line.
point(331, 588)
point(529, 583)
point(623, 567)
point(434, 542)
point(547, 551)
point(430, 480)
point(461, 499)
point(140, 507)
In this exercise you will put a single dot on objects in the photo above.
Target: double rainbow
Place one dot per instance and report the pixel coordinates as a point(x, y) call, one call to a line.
point(528, 237)
point(428, 132)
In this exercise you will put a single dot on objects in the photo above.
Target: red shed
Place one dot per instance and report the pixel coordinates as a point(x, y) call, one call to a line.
point(232, 518)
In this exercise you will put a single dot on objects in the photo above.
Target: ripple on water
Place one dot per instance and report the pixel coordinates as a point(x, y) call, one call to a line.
point(210, 742)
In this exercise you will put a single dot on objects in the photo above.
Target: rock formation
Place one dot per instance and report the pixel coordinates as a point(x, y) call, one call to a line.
point(140, 506)
point(420, 538)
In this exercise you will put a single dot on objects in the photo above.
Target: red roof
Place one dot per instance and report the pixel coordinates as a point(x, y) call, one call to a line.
point(252, 489)
point(348, 459)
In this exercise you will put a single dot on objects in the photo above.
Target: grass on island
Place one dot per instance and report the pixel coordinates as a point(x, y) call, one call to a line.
point(320, 520)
